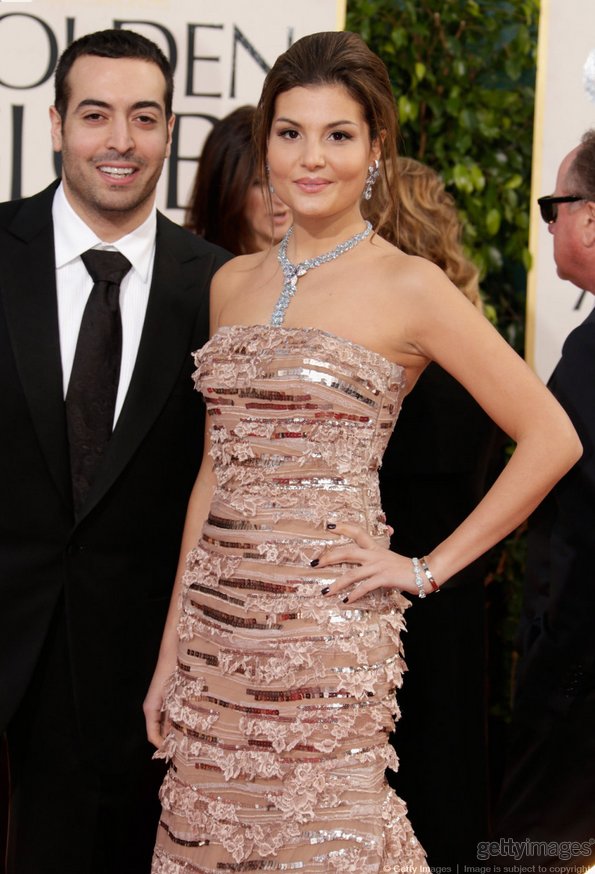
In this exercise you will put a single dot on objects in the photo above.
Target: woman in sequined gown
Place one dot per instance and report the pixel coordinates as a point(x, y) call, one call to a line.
point(282, 650)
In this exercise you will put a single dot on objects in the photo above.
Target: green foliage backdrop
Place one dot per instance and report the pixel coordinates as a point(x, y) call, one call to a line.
point(463, 74)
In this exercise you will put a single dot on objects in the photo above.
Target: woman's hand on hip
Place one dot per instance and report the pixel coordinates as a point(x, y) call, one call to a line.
point(377, 566)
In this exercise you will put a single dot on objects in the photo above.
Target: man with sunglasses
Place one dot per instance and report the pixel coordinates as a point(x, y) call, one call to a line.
point(549, 786)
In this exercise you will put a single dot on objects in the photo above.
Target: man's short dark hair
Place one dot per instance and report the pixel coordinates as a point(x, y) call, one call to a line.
point(111, 44)
point(581, 173)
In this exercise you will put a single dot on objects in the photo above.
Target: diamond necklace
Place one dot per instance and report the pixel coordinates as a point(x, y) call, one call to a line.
point(292, 272)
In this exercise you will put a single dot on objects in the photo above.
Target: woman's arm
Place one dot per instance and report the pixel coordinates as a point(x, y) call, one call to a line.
point(198, 508)
point(196, 514)
point(441, 325)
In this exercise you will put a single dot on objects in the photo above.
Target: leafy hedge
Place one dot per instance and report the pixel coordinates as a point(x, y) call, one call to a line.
point(463, 74)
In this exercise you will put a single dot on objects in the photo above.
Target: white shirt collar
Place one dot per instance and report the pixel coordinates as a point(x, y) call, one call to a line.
point(72, 237)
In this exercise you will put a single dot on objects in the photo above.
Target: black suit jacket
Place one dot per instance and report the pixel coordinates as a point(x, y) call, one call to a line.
point(560, 587)
point(115, 564)
point(549, 784)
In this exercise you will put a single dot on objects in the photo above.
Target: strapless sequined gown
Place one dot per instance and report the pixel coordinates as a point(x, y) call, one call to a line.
point(283, 699)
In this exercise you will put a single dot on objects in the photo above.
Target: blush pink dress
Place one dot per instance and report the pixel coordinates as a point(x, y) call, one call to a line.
point(284, 699)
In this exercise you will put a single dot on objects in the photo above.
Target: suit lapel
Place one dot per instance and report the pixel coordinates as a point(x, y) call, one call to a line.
point(29, 289)
point(164, 348)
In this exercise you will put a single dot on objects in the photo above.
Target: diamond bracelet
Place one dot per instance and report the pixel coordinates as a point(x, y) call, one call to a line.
point(419, 565)
point(418, 580)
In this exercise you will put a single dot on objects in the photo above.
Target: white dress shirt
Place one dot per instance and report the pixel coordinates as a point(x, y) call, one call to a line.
point(72, 237)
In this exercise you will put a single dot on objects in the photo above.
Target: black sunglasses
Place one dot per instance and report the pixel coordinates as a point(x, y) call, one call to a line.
point(548, 205)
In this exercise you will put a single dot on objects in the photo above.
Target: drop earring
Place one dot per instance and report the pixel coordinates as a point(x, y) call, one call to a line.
point(269, 183)
point(373, 173)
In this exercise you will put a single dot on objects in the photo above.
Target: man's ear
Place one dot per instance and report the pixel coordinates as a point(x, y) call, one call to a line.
point(589, 224)
point(56, 129)
point(170, 128)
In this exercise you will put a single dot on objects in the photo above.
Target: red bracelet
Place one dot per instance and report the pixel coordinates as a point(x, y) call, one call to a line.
point(428, 573)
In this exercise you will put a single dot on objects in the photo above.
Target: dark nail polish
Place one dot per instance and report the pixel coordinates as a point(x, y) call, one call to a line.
point(325, 591)
point(346, 599)
point(330, 525)
point(314, 562)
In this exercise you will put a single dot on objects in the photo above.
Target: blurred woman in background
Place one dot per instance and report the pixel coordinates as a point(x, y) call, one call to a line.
point(228, 206)
point(445, 449)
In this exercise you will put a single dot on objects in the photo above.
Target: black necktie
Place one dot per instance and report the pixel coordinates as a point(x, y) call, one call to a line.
point(93, 386)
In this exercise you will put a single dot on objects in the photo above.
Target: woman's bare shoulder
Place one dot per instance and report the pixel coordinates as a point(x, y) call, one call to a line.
point(394, 268)
point(240, 265)
point(236, 276)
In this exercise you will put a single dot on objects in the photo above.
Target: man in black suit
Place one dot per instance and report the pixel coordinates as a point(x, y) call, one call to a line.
point(85, 580)
point(549, 787)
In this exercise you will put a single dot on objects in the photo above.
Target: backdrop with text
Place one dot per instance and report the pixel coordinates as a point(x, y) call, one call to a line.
point(565, 109)
point(220, 53)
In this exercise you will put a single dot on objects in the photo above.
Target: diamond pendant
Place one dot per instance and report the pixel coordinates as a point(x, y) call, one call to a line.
point(292, 272)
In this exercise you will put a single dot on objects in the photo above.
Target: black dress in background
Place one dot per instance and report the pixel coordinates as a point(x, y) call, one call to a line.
point(441, 460)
